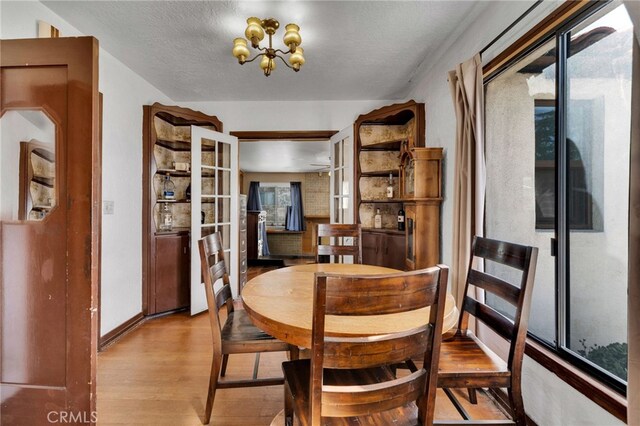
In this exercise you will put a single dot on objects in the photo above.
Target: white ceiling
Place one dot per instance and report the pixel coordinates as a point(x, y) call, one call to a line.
point(354, 49)
point(284, 156)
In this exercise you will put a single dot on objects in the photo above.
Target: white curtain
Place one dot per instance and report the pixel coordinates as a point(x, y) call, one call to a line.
point(469, 174)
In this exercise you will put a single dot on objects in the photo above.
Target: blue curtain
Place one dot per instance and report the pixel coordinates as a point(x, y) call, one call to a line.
point(295, 212)
point(254, 204)
point(253, 200)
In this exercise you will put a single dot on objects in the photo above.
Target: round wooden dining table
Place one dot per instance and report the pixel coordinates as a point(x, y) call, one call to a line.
point(280, 302)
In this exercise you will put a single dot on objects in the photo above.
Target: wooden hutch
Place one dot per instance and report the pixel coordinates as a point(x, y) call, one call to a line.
point(166, 254)
point(391, 141)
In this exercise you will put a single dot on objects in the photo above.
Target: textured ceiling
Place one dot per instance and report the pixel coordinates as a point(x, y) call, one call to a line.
point(354, 49)
point(284, 156)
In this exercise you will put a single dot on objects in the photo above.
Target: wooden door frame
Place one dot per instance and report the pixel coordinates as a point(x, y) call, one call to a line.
point(83, 181)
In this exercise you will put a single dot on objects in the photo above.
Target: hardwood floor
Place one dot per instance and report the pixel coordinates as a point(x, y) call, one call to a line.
point(159, 372)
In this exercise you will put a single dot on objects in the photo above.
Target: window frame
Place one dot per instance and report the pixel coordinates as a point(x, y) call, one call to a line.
point(592, 381)
point(276, 206)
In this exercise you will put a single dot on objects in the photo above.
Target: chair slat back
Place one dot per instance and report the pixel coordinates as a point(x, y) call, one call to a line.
point(214, 268)
point(522, 259)
point(373, 398)
point(338, 232)
point(379, 295)
point(376, 295)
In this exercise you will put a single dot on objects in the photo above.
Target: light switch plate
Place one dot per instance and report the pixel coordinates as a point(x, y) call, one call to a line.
point(107, 207)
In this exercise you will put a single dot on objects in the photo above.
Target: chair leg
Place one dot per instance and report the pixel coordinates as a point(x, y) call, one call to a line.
point(213, 384)
point(288, 405)
point(473, 398)
point(223, 370)
point(294, 352)
point(517, 405)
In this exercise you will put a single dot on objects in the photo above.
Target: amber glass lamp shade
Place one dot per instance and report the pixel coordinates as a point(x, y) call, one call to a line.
point(254, 31)
point(240, 50)
point(297, 59)
point(267, 64)
point(292, 37)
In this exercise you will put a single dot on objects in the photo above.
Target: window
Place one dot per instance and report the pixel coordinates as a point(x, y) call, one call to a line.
point(557, 151)
point(275, 198)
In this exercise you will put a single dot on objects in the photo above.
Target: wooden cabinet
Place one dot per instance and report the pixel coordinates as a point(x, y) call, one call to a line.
point(167, 151)
point(253, 234)
point(390, 141)
point(172, 272)
point(310, 236)
point(383, 249)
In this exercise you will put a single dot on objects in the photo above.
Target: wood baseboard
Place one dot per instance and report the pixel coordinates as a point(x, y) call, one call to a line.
point(120, 330)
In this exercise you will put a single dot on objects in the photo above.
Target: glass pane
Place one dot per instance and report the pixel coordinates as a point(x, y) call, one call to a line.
point(223, 183)
point(342, 152)
point(598, 121)
point(336, 210)
point(207, 213)
point(336, 155)
point(225, 233)
point(518, 170)
point(224, 155)
point(28, 150)
point(337, 181)
point(208, 151)
point(224, 209)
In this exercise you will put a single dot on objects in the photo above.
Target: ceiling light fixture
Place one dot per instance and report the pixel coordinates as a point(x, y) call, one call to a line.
point(256, 28)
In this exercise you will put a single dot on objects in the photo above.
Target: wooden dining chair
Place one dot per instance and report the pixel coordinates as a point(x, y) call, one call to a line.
point(338, 233)
point(349, 379)
point(465, 362)
point(237, 334)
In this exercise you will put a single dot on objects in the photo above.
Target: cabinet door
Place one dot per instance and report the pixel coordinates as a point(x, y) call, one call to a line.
point(394, 251)
point(410, 225)
point(371, 248)
point(172, 272)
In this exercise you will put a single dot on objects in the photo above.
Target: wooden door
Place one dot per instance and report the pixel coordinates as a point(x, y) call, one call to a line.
point(172, 272)
point(371, 248)
point(49, 263)
point(394, 251)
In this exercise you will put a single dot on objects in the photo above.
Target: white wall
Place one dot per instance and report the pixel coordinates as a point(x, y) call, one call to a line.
point(286, 115)
point(124, 94)
point(548, 400)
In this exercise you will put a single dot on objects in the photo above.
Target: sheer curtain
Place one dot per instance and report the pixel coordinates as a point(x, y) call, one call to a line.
point(295, 212)
point(254, 204)
point(467, 92)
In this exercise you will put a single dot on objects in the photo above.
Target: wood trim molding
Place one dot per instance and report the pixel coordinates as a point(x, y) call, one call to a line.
point(120, 330)
point(597, 392)
point(288, 135)
point(566, 11)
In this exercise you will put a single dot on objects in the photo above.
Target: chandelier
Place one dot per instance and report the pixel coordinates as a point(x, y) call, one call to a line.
point(256, 28)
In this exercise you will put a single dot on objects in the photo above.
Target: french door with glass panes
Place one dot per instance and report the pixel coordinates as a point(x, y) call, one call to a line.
point(214, 204)
point(341, 180)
